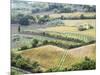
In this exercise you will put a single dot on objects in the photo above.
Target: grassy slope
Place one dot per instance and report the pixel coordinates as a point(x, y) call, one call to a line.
point(83, 51)
point(50, 56)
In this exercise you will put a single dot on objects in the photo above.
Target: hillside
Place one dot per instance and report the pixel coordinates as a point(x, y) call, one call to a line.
point(51, 56)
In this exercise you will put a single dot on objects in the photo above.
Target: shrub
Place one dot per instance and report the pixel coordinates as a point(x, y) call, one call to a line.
point(53, 70)
point(36, 9)
point(66, 10)
point(44, 19)
point(82, 28)
point(34, 43)
point(14, 72)
point(45, 42)
point(35, 64)
point(87, 64)
point(87, 17)
point(25, 64)
point(19, 28)
point(81, 16)
point(24, 47)
point(56, 22)
point(32, 19)
point(24, 21)
point(16, 37)
point(62, 17)
point(56, 10)
point(85, 27)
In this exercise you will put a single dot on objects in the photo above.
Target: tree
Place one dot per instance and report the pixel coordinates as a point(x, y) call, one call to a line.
point(19, 28)
point(24, 47)
point(66, 10)
point(62, 17)
point(24, 21)
point(81, 16)
point(34, 43)
point(31, 18)
point(45, 42)
point(24, 63)
point(43, 19)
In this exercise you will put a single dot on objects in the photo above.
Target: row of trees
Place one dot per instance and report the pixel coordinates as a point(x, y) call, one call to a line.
point(60, 7)
point(68, 8)
point(60, 43)
point(28, 19)
point(82, 16)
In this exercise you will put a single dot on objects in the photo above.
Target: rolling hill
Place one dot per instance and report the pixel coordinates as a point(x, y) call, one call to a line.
point(49, 56)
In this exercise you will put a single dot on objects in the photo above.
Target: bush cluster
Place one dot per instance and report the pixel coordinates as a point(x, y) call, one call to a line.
point(86, 64)
point(85, 27)
point(25, 64)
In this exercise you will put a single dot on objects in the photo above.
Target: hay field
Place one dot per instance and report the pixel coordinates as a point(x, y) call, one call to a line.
point(50, 56)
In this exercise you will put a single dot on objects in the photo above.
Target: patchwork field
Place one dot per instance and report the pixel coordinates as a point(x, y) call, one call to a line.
point(51, 37)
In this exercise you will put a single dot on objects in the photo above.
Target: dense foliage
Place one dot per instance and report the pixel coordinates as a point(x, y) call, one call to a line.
point(55, 22)
point(87, 64)
point(20, 62)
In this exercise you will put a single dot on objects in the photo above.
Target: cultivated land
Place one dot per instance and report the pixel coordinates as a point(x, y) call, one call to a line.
point(51, 56)
point(52, 39)
point(76, 14)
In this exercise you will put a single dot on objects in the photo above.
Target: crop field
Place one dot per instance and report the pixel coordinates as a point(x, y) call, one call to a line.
point(64, 29)
point(46, 37)
point(24, 40)
point(76, 14)
point(91, 32)
point(80, 22)
point(61, 29)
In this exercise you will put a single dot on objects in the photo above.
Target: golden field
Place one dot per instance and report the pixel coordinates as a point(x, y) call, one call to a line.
point(90, 32)
point(80, 22)
point(50, 56)
point(75, 14)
